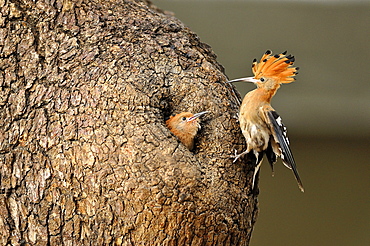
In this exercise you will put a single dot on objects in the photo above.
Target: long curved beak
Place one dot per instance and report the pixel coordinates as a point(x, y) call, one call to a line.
point(197, 115)
point(247, 79)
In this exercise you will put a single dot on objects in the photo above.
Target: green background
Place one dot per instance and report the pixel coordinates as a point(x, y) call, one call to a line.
point(327, 110)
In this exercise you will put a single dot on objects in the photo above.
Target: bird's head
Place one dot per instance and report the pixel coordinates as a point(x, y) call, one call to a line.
point(185, 126)
point(184, 123)
point(272, 71)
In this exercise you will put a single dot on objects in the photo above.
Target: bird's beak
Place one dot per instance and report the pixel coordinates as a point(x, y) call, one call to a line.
point(197, 115)
point(248, 79)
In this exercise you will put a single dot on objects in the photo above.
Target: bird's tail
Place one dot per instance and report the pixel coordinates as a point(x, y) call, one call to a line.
point(256, 158)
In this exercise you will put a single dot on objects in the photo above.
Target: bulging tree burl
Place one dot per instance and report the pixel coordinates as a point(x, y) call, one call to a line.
point(85, 154)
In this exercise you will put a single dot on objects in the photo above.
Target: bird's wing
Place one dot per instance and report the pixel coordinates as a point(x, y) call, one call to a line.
point(279, 133)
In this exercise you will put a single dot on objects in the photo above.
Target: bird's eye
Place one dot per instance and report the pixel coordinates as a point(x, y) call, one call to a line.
point(183, 118)
point(262, 79)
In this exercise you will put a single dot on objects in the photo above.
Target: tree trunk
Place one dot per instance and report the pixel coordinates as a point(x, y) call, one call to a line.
point(85, 156)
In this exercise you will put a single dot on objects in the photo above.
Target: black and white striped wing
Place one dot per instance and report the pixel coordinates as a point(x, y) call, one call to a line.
point(280, 136)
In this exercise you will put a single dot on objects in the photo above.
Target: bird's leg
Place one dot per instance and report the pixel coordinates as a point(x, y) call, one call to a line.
point(237, 156)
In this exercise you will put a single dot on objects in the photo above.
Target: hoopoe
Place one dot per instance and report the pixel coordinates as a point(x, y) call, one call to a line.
point(185, 126)
point(261, 125)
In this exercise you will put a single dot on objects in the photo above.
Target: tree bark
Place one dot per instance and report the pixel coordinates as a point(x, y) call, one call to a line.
point(85, 156)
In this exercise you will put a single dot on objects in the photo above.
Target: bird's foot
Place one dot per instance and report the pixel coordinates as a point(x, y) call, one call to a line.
point(237, 156)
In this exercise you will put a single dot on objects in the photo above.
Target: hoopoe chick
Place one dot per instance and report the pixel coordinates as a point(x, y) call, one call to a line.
point(185, 126)
point(261, 125)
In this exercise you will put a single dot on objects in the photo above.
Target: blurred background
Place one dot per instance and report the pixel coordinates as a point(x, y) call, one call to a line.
point(327, 110)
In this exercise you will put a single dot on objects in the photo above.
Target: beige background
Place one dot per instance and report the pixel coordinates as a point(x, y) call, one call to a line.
point(327, 110)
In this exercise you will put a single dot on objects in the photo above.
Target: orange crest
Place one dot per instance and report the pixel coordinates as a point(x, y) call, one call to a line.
point(278, 66)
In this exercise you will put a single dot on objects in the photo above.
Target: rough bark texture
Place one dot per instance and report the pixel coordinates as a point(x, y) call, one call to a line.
point(85, 157)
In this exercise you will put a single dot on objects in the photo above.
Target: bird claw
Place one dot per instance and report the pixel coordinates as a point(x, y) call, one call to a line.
point(237, 156)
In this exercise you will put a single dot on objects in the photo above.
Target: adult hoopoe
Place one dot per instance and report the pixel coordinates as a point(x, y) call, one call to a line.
point(262, 127)
point(185, 126)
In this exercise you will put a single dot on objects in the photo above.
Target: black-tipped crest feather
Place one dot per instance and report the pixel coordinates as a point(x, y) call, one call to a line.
point(279, 66)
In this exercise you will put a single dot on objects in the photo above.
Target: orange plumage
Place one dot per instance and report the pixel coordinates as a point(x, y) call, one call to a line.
point(261, 126)
point(280, 67)
point(185, 126)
